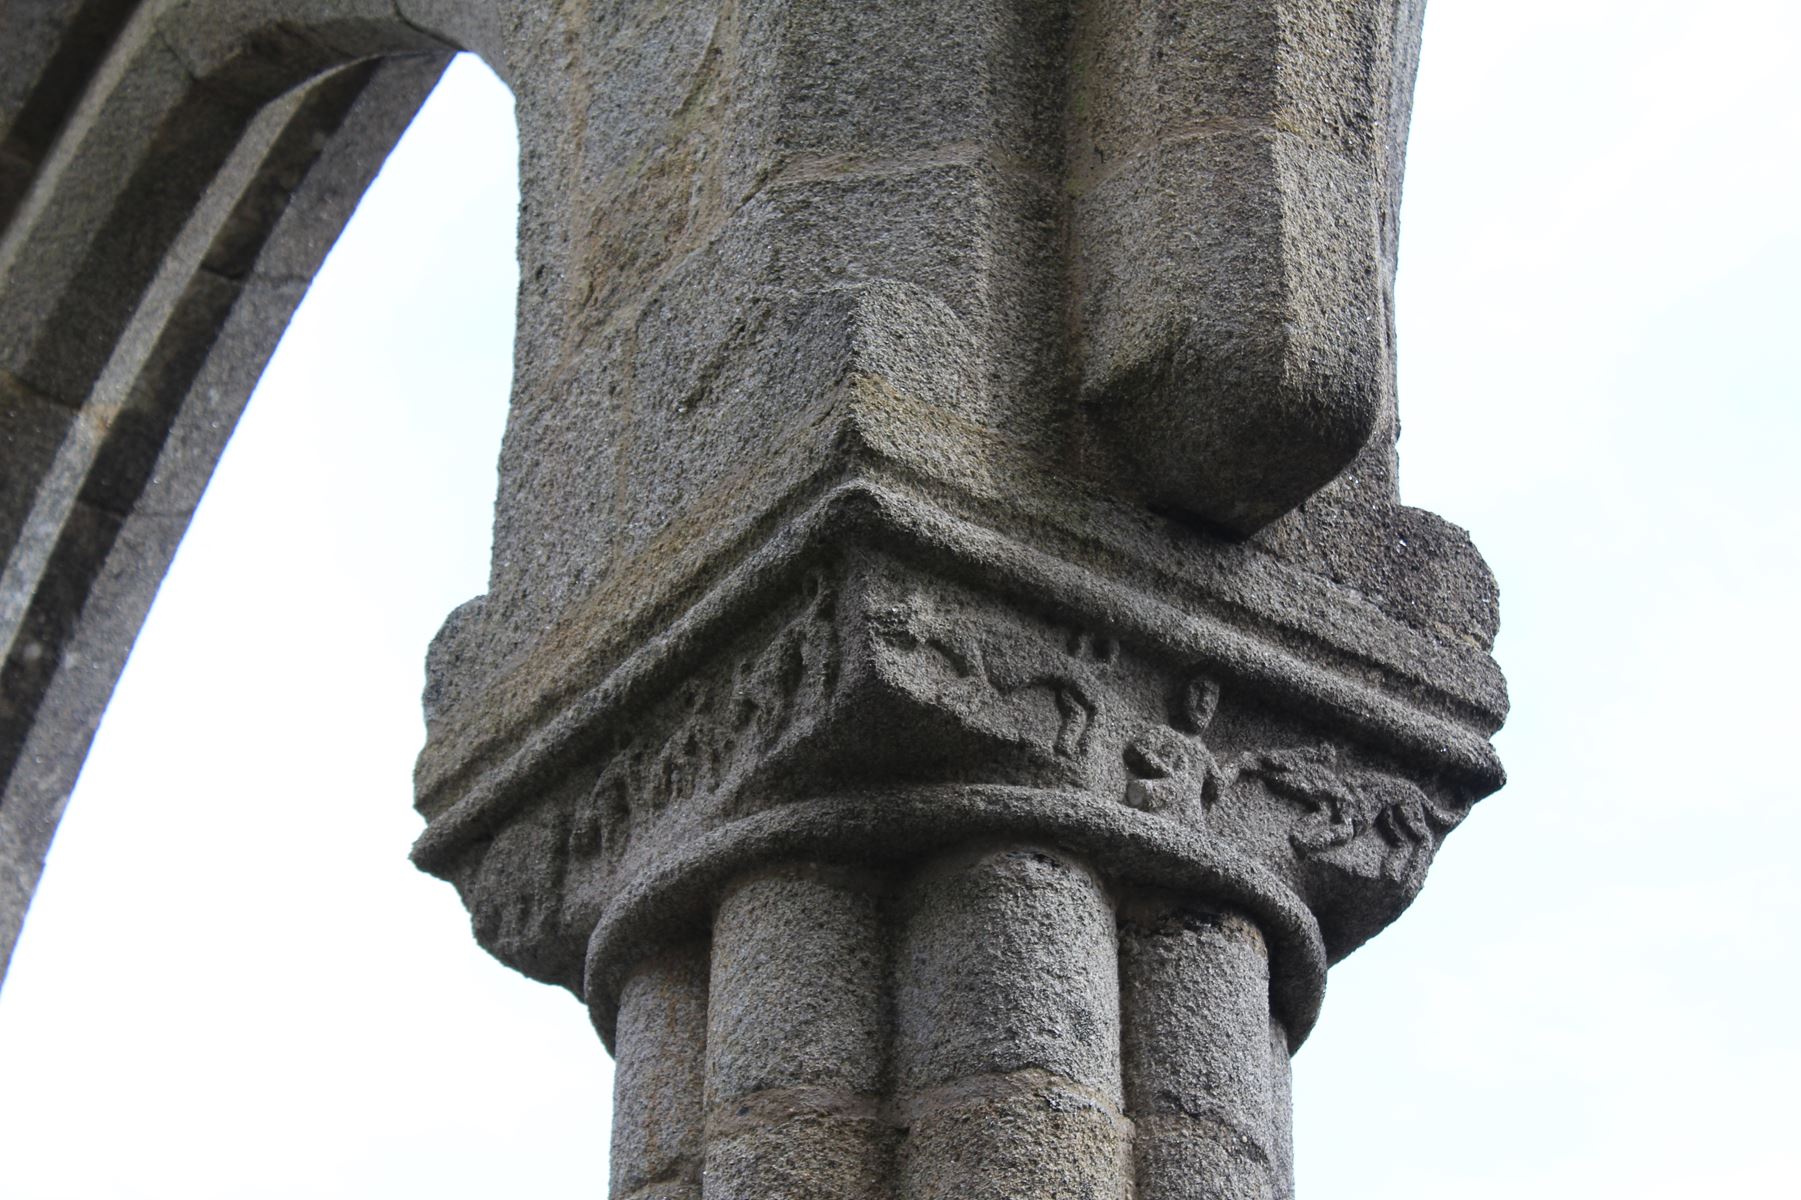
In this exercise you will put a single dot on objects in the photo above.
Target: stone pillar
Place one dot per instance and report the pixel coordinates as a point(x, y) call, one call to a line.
point(797, 1055)
point(955, 671)
point(1204, 1079)
point(1007, 1029)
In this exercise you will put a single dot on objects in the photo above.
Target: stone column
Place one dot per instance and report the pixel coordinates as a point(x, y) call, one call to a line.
point(797, 1062)
point(1206, 1062)
point(1007, 1029)
point(955, 672)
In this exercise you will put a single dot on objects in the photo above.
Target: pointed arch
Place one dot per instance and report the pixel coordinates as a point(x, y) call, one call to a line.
point(172, 173)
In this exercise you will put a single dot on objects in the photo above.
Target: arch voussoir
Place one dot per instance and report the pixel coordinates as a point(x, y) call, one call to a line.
point(154, 251)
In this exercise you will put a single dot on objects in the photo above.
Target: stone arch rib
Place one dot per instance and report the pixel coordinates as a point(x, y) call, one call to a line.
point(175, 171)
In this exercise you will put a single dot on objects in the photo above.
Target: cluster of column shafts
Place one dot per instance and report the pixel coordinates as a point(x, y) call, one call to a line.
point(991, 1023)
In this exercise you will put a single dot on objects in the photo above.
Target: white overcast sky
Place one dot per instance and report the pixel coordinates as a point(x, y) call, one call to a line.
point(233, 985)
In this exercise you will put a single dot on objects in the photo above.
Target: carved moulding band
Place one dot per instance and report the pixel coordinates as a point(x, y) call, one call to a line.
point(896, 825)
point(883, 680)
point(481, 783)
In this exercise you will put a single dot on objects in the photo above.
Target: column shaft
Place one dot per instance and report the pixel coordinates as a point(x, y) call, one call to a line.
point(796, 1043)
point(657, 1084)
point(1007, 1040)
point(1200, 1066)
point(1281, 1112)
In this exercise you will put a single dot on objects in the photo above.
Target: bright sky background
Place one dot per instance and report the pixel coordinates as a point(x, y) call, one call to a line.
point(233, 985)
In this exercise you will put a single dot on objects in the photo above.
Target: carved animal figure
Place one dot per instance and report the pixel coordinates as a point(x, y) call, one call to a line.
point(1008, 661)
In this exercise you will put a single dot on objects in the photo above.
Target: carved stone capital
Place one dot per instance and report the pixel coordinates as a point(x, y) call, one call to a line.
point(885, 680)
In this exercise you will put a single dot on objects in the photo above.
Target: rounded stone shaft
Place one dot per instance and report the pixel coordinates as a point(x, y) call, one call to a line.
point(1206, 1067)
point(657, 1083)
point(796, 1041)
point(1281, 1111)
point(1007, 1041)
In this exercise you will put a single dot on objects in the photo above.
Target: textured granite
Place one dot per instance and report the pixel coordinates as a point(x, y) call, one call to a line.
point(955, 672)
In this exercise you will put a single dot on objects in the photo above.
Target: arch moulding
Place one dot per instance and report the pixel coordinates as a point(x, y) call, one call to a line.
point(172, 173)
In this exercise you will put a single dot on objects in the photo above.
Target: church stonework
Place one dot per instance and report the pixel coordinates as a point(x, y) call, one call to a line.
point(956, 672)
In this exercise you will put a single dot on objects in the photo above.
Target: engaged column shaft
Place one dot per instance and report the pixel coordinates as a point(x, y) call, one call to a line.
point(797, 1041)
point(1206, 1066)
point(657, 1095)
point(1007, 1031)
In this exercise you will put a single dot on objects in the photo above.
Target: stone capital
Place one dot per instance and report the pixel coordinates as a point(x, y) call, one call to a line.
point(881, 679)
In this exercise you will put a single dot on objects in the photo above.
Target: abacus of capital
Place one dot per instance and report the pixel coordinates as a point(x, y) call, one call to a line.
point(955, 671)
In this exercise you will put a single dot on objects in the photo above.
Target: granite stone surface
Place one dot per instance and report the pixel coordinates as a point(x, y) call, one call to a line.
point(955, 672)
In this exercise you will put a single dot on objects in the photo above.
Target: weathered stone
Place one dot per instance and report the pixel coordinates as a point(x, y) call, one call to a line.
point(142, 290)
point(955, 671)
point(659, 1111)
point(798, 1015)
point(1201, 1080)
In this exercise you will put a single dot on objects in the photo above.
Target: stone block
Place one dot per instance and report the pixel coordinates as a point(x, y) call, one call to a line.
point(1029, 1134)
point(1007, 963)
